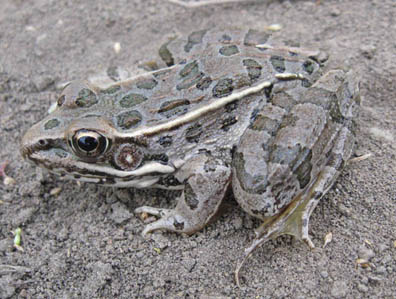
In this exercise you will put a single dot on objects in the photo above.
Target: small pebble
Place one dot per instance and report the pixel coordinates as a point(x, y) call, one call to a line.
point(382, 247)
point(374, 279)
point(30, 28)
point(237, 223)
point(364, 280)
point(362, 288)
point(140, 255)
point(335, 12)
point(339, 289)
point(117, 47)
point(120, 213)
point(381, 270)
point(55, 191)
point(368, 51)
point(5, 244)
point(365, 253)
point(387, 259)
point(324, 274)
point(275, 27)
point(344, 210)
point(161, 242)
point(42, 82)
point(189, 264)
point(328, 238)
point(8, 181)
point(158, 283)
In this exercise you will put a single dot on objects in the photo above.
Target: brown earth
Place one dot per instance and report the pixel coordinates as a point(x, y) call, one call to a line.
point(84, 242)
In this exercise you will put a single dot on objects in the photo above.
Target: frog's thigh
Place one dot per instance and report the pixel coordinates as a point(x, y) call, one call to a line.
point(261, 188)
point(294, 219)
point(206, 181)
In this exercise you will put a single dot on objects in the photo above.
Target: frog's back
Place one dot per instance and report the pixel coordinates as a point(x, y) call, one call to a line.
point(175, 104)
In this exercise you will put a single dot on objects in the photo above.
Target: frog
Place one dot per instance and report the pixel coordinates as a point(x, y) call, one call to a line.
point(230, 109)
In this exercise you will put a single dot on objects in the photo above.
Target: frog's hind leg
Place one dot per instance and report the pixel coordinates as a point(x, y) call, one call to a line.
point(294, 219)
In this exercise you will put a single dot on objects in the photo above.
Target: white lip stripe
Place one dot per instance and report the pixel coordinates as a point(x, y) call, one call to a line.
point(193, 115)
point(141, 183)
point(145, 169)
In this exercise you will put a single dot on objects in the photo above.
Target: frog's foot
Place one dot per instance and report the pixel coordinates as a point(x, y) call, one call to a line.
point(294, 220)
point(169, 220)
point(206, 181)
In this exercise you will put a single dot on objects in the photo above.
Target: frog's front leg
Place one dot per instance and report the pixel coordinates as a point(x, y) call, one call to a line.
point(206, 180)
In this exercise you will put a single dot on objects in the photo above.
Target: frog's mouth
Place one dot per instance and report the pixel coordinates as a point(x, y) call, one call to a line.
point(62, 163)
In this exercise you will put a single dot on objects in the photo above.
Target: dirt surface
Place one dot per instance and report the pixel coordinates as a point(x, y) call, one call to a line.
point(83, 241)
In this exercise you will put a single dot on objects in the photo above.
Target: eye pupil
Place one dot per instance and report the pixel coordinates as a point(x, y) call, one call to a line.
point(88, 143)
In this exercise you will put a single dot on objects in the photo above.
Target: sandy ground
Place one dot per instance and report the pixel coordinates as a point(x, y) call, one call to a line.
point(83, 241)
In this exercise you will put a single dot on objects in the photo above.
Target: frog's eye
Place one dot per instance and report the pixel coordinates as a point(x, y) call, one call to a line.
point(89, 144)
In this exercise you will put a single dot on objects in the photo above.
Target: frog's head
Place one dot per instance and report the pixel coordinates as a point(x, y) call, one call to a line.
point(91, 138)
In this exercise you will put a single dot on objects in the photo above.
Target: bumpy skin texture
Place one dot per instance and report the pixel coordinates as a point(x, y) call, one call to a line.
point(270, 120)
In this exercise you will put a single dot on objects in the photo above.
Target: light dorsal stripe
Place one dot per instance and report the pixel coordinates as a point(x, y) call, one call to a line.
point(194, 115)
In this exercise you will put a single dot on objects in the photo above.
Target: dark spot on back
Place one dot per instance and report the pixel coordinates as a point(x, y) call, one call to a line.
point(309, 66)
point(223, 88)
point(129, 119)
point(131, 100)
point(224, 39)
point(241, 80)
point(188, 69)
point(175, 107)
point(255, 37)
point(253, 68)
point(193, 133)
point(278, 62)
point(112, 72)
point(52, 123)
point(193, 39)
point(229, 50)
point(204, 83)
point(166, 55)
point(111, 90)
point(147, 84)
point(165, 141)
point(228, 122)
point(86, 98)
point(190, 81)
point(190, 74)
point(231, 106)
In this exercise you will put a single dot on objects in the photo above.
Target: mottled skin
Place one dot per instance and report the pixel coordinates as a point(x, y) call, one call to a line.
point(271, 121)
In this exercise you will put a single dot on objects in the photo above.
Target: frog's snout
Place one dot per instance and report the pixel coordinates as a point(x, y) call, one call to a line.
point(32, 143)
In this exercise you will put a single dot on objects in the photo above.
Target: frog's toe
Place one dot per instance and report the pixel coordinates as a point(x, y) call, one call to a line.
point(168, 220)
point(151, 211)
point(161, 224)
point(293, 221)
